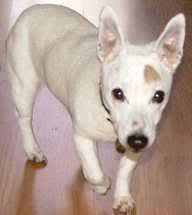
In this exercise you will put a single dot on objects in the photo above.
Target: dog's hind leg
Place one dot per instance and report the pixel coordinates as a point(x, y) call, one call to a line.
point(24, 86)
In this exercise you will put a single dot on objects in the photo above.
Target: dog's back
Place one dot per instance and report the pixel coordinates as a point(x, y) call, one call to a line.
point(40, 27)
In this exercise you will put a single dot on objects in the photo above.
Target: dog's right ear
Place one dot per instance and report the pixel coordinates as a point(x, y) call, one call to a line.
point(110, 39)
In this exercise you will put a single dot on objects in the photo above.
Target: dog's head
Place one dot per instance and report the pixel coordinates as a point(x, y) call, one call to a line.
point(136, 81)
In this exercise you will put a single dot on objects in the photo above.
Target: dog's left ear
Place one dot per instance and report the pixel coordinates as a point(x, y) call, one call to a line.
point(110, 39)
point(169, 45)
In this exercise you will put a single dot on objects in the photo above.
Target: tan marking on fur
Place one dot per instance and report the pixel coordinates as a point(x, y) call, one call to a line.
point(120, 148)
point(150, 74)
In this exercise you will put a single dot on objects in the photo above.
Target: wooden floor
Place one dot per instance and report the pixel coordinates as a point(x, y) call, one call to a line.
point(162, 184)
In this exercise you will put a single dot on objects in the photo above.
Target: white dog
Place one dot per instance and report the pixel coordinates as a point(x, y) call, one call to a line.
point(112, 89)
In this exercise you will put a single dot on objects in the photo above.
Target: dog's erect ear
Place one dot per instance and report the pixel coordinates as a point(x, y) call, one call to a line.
point(169, 45)
point(110, 39)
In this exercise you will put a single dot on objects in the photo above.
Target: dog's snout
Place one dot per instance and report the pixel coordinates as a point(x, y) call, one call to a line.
point(137, 142)
point(138, 124)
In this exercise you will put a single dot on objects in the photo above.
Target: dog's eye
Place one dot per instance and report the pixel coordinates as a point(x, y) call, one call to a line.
point(118, 94)
point(158, 97)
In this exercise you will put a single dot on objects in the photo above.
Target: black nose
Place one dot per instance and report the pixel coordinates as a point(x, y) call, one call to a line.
point(137, 142)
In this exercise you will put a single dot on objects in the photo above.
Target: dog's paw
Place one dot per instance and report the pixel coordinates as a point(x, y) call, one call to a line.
point(99, 185)
point(125, 204)
point(36, 156)
point(102, 187)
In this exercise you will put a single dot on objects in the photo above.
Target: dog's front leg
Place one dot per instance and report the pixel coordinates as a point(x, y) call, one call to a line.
point(123, 200)
point(87, 151)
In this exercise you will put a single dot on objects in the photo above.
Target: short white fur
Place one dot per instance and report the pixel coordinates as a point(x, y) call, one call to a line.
point(55, 46)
